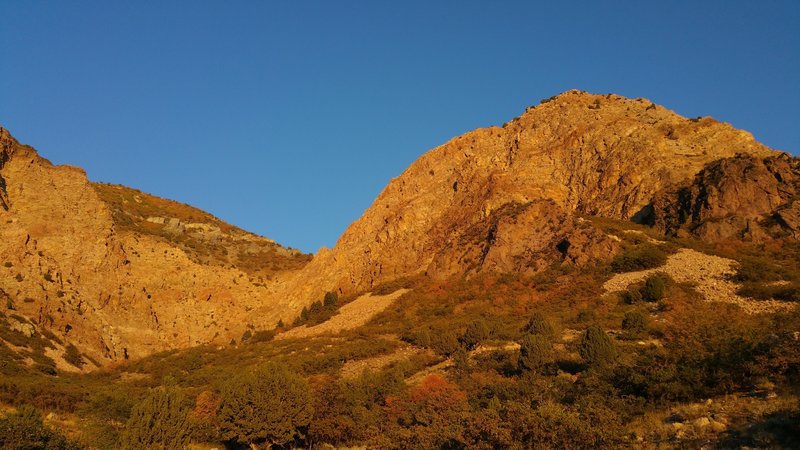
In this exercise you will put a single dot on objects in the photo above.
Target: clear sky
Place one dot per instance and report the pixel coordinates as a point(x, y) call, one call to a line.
point(287, 118)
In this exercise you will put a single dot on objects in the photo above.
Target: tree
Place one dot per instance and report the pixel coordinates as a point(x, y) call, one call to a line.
point(331, 299)
point(25, 430)
point(596, 347)
point(476, 332)
point(539, 324)
point(270, 405)
point(535, 353)
point(431, 414)
point(653, 289)
point(159, 420)
point(634, 323)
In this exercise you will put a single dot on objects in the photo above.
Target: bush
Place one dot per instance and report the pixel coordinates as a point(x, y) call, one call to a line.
point(444, 343)
point(641, 257)
point(535, 353)
point(269, 405)
point(632, 296)
point(541, 325)
point(635, 323)
point(476, 332)
point(597, 348)
point(654, 288)
point(158, 421)
point(25, 430)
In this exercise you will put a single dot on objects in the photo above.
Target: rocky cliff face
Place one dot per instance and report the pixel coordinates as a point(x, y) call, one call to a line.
point(743, 197)
point(121, 289)
point(506, 197)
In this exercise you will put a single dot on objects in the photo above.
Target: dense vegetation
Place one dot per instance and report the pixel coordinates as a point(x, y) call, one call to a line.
point(497, 361)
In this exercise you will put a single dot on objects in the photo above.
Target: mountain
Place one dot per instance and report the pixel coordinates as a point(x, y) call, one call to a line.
point(511, 198)
point(122, 274)
point(599, 272)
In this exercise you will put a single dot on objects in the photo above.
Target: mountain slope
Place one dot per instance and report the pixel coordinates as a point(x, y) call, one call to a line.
point(124, 274)
point(576, 153)
point(79, 261)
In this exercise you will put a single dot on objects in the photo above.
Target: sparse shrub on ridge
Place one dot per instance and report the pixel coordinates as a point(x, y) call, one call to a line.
point(73, 356)
point(640, 257)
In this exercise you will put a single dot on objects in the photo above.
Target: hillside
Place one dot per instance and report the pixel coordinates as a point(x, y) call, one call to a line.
point(599, 272)
point(507, 198)
point(122, 274)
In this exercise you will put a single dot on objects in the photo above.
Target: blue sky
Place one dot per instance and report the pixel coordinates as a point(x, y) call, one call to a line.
point(288, 118)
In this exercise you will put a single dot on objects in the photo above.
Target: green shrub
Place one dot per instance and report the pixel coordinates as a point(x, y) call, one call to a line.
point(654, 288)
point(269, 405)
point(541, 325)
point(444, 343)
point(158, 421)
point(635, 323)
point(632, 296)
point(596, 347)
point(785, 292)
point(476, 332)
point(641, 257)
point(25, 430)
point(535, 353)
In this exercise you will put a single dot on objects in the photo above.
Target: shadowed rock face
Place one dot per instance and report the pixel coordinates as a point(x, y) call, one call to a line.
point(743, 197)
point(488, 200)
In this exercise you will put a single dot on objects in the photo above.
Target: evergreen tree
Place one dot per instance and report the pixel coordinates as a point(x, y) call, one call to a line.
point(597, 348)
point(158, 421)
point(535, 353)
point(476, 332)
point(270, 405)
point(539, 324)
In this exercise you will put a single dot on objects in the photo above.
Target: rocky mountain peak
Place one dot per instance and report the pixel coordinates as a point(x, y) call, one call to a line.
point(580, 153)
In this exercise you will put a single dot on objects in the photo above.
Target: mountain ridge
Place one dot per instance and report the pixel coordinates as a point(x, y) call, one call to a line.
point(125, 274)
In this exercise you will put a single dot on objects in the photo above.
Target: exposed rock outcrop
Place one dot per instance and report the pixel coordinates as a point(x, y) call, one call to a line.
point(113, 289)
point(743, 197)
point(576, 153)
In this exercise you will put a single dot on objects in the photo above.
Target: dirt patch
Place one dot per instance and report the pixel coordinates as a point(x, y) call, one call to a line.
point(353, 369)
point(352, 315)
point(711, 276)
